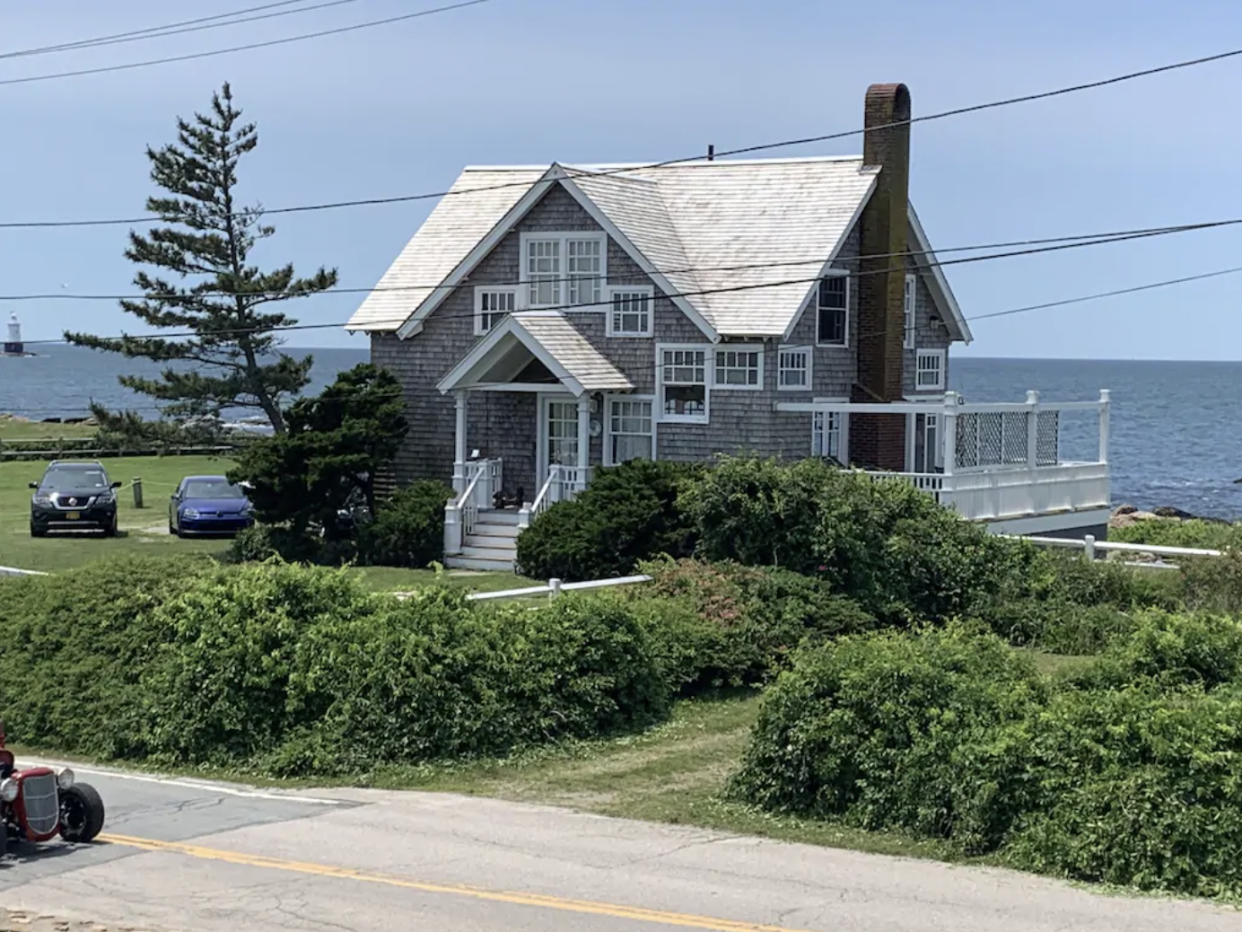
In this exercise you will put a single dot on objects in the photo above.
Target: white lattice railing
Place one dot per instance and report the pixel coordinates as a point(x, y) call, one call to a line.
point(991, 436)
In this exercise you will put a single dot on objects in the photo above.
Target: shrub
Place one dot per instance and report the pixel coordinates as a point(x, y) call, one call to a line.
point(885, 544)
point(261, 542)
point(627, 514)
point(1213, 583)
point(1058, 626)
point(1171, 532)
point(1172, 651)
point(1137, 787)
point(881, 731)
point(434, 677)
point(74, 646)
point(217, 690)
point(408, 529)
point(758, 615)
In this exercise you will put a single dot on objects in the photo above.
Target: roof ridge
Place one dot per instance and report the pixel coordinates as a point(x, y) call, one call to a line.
point(700, 163)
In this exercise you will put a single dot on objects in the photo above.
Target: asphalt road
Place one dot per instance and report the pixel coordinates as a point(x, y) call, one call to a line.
point(199, 857)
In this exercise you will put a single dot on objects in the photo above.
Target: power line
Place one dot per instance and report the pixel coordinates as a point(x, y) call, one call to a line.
point(176, 29)
point(242, 48)
point(1072, 241)
point(748, 150)
point(729, 289)
point(100, 40)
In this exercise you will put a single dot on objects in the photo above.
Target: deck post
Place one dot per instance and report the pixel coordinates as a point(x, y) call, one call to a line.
point(1105, 404)
point(950, 432)
point(459, 447)
point(584, 442)
point(1032, 429)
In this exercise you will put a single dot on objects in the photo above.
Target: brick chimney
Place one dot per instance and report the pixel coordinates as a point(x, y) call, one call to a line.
point(879, 440)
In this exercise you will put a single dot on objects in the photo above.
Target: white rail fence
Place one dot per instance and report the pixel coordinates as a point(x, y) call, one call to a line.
point(552, 588)
point(1092, 547)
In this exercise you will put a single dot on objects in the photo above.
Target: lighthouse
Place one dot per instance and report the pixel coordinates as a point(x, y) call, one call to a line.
point(13, 345)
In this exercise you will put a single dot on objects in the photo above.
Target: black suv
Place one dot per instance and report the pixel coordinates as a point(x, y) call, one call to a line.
point(73, 496)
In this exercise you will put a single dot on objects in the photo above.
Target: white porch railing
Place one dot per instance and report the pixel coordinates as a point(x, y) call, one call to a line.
point(479, 480)
point(563, 484)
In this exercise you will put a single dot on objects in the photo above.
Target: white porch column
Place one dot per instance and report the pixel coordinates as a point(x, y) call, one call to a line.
point(1105, 404)
point(950, 433)
point(1032, 429)
point(584, 440)
point(459, 448)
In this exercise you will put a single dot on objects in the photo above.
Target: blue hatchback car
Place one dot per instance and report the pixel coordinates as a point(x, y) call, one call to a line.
point(208, 505)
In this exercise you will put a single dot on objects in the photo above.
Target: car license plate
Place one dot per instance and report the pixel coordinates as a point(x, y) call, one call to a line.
point(74, 515)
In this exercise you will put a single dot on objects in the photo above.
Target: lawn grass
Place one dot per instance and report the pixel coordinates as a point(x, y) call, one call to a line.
point(145, 530)
point(12, 428)
point(141, 530)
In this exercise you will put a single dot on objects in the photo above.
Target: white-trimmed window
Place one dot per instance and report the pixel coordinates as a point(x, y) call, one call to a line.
point(910, 320)
point(491, 305)
point(929, 374)
point(827, 435)
point(793, 371)
point(578, 260)
point(832, 310)
point(630, 430)
point(739, 367)
point(631, 311)
point(681, 374)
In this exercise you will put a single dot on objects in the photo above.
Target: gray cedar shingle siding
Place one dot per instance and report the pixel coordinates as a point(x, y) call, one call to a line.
point(505, 425)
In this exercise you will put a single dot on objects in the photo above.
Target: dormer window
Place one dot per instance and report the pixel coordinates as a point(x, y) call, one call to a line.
point(560, 269)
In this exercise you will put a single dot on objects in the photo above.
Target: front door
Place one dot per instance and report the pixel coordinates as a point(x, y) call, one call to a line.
point(558, 434)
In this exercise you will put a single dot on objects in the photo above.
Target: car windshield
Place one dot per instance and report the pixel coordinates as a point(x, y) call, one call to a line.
point(212, 488)
point(74, 477)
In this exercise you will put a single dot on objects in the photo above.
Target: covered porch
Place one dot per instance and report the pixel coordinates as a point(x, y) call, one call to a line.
point(527, 427)
point(1000, 463)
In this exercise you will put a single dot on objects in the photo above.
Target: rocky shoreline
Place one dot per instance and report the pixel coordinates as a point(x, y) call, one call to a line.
point(1130, 515)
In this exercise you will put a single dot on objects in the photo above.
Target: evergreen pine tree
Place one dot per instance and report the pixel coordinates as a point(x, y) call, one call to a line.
point(228, 304)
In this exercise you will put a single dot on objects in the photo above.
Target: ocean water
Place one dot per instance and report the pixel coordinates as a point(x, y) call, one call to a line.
point(1175, 434)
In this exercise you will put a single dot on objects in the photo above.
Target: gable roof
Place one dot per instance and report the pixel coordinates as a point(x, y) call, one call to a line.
point(735, 243)
point(549, 338)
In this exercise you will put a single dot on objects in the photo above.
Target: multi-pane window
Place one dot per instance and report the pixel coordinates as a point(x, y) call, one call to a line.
point(683, 384)
point(630, 313)
point(826, 434)
point(585, 270)
point(543, 271)
point(739, 368)
point(910, 320)
point(832, 302)
point(490, 307)
point(929, 370)
point(794, 368)
point(629, 430)
point(578, 260)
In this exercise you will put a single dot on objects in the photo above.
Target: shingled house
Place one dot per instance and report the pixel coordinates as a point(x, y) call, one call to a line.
point(548, 320)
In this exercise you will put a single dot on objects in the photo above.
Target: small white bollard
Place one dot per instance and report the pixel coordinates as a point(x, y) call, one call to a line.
point(1088, 547)
point(554, 588)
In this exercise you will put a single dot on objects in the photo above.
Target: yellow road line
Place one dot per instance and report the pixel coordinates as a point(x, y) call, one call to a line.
point(636, 913)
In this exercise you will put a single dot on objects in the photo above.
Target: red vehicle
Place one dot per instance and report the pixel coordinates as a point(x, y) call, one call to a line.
point(39, 803)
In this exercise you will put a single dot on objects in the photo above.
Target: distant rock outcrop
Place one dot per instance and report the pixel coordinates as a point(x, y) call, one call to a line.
point(1130, 515)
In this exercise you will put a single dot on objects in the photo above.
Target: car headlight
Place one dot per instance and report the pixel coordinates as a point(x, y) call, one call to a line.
point(106, 498)
point(43, 500)
point(189, 513)
point(64, 779)
point(8, 789)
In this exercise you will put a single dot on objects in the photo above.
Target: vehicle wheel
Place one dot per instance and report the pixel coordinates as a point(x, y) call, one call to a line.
point(4, 840)
point(81, 813)
point(110, 529)
point(36, 531)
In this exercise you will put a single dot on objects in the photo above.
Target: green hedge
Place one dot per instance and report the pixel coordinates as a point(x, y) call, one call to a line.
point(285, 669)
point(408, 529)
point(1126, 771)
point(627, 514)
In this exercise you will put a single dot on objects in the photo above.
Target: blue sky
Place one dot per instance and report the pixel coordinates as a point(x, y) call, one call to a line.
point(400, 109)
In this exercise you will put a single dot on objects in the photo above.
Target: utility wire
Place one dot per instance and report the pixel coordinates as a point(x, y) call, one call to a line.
point(176, 29)
point(1065, 302)
point(241, 48)
point(1073, 241)
point(729, 289)
point(435, 195)
point(101, 40)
